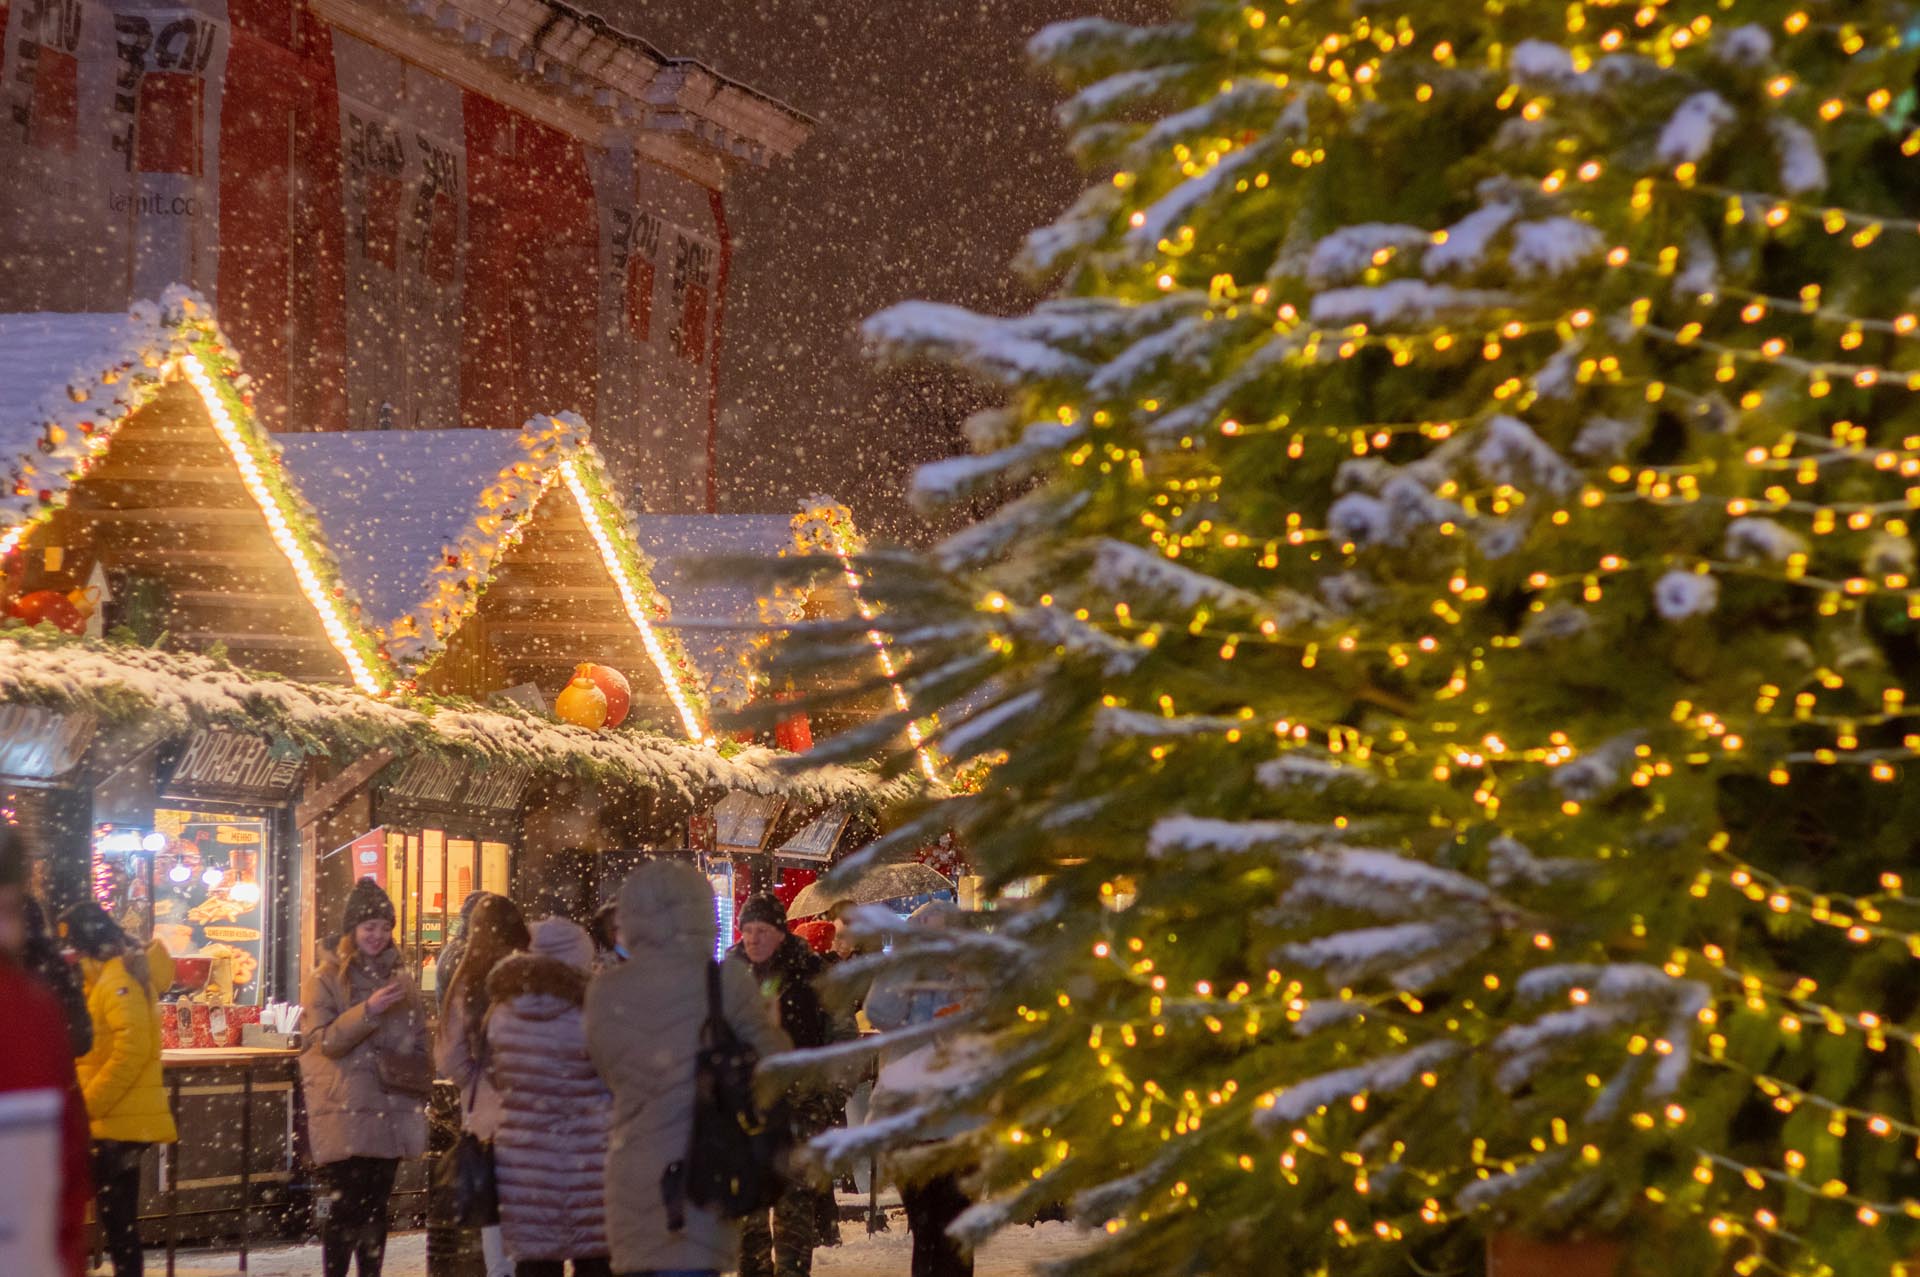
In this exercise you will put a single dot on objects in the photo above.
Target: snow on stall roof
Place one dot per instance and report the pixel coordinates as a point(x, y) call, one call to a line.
point(715, 619)
point(392, 501)
point(42, 354)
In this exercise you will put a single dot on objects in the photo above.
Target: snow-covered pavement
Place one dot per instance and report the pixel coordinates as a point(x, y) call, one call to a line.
point(1017, 1253)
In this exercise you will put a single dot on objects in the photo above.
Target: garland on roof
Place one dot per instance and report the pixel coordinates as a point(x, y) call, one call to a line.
point(505, 510)
point(176, 693)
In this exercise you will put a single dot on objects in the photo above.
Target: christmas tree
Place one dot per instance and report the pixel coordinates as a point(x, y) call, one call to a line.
point(1444, 644)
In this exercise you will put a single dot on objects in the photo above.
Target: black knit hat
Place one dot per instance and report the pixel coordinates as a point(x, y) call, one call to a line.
point(365, 903)
point(91, 930)
point(765, 907)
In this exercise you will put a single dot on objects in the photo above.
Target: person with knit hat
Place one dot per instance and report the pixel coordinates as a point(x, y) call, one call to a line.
point(365, 1069)
point(120, 1075)
point(780, 1242)
point(44, 1185)
point(550, 1148)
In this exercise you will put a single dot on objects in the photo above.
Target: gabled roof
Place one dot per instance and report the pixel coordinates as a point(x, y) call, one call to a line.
point(724, 624)
point(70, 382)
point(424, 519)
point(718, 622)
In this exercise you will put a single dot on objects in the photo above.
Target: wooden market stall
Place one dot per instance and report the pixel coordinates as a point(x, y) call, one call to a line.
point(498, 564)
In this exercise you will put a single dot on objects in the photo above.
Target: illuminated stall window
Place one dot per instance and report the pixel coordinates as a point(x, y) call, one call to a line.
point(430, 875)
point(195, 881)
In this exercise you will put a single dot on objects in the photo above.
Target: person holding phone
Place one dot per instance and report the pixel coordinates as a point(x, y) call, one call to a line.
point(367, 1070)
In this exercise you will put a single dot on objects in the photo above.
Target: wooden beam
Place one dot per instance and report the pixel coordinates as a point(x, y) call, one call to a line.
point(184, 558)
point(319, 802)
point(262, 642)
point(564, 629)
point(199, 516)
point(261, 602)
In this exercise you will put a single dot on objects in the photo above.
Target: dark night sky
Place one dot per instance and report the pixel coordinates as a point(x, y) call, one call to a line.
point(935, 154)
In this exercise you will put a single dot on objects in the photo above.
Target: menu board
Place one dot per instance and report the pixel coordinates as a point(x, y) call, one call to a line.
point(196, 881)
point(744, 822)
point(817, 840)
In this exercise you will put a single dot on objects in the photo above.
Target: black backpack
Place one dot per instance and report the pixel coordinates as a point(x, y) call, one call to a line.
point(733, 1164)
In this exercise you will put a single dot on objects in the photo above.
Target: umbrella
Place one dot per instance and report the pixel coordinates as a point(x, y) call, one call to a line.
point(882, 882)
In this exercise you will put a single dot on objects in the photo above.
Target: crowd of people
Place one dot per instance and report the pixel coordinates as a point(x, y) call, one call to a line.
point(573, 1049)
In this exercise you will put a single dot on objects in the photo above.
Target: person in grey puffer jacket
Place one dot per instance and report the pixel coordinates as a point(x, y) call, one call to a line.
point(643, 1031)
point(550, 1150)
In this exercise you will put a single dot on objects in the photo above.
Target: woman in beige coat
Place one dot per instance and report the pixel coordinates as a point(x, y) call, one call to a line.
point(360, 1007)
point(643, 1031)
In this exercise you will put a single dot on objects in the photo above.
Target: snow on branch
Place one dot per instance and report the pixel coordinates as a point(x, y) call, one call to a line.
point(1803, 171)
point(1121, 568)
point(1349, 252)
point(997, 348)
point(1298, 770)
point(1694, 127)
point(1183, 835)
point(1463, 246)
point(1113, 723)
point(1403, 302)
point(1510, 452)
point(1413, 954)
point(1377, 1077)
point(1552, 247)
point(1033, 515)
point(987, 729)
point(938, 484)
point(1759, 540)
point(1370, 881)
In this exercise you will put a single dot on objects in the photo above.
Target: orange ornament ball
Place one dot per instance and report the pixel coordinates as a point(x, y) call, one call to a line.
point(49, 607)
point(613, 685)
point(582, 703)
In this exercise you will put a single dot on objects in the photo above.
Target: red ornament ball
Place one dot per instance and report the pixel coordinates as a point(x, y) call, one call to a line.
point(614, 686)
point(49, 607)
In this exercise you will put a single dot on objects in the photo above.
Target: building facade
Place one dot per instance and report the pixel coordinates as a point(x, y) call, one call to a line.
point(408, 213)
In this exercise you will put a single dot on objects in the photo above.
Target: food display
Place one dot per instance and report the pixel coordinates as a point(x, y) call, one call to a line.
point(194, 882)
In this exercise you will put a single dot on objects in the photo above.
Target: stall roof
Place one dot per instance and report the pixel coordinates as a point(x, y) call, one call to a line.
point(172, 694)
point(393, 501)
point(69, 383)
point(425, 520)
point(717, 621)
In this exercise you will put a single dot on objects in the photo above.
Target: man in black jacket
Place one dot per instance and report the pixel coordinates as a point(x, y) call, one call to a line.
point(780, 1242)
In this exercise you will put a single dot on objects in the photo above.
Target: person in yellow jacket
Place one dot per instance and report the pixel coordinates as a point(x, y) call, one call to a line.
point(120, 1077)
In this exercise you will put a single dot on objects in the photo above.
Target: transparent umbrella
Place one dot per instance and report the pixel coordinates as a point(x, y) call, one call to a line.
point(882, 882)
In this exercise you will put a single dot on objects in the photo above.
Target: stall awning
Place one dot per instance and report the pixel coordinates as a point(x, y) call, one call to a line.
point(173, 695)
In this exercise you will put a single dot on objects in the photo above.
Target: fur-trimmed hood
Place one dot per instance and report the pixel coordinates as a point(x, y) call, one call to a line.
point(526, 975)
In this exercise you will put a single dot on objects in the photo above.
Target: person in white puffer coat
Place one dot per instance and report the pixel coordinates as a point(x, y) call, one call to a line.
point(550, 1150)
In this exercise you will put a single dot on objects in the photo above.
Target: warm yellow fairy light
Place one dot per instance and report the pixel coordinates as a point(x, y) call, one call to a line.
point(885, 657)
point(332, 617)
point(630, 597)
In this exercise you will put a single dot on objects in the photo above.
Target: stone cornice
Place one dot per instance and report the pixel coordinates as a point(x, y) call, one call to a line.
point(572, 71)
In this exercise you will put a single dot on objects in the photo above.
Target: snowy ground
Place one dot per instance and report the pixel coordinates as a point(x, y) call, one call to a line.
point(1017, 1253)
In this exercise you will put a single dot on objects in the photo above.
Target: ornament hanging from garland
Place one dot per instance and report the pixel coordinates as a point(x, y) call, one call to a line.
point(613, 685)
point(49, 607)
point(581, 702)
